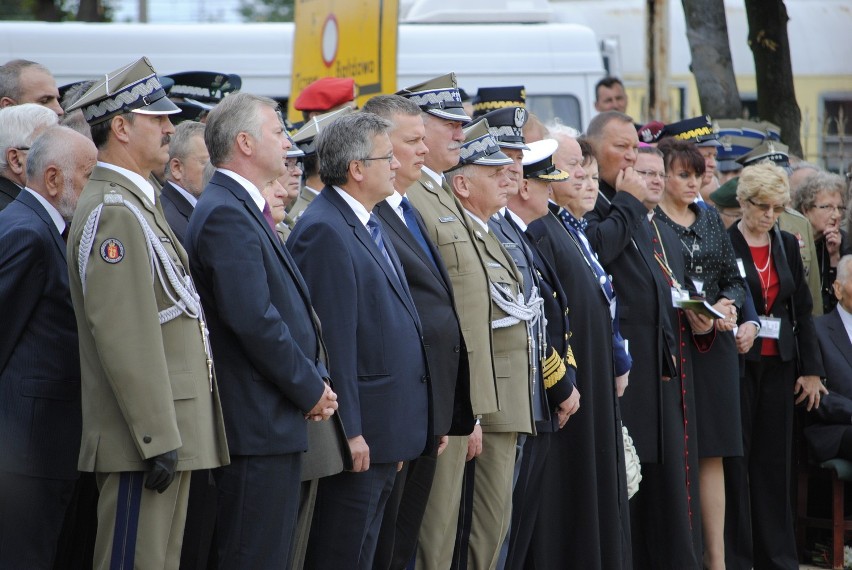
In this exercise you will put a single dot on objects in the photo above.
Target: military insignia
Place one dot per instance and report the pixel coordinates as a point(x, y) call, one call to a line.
point(478, 234)
point(429, 185)
point(520, 117)
point(164, 239)
point(802, 243)
point(112, 250)
point(447, 219)
point(492, 264)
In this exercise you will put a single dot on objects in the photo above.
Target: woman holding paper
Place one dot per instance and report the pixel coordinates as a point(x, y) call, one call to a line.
point(711, 265)
point(785, 360)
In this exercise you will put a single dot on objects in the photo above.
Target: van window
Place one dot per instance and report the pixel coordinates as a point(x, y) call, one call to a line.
point(547, 107)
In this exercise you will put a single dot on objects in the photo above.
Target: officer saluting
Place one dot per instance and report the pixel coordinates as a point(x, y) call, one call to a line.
point(150, 402)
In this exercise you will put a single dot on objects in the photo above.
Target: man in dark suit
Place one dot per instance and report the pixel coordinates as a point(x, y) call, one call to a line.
point(266, 342)
point(830, 434)
point(40, 417)
point(432, 292)
point(19, 126)
point(183, 185)
point(373, 332)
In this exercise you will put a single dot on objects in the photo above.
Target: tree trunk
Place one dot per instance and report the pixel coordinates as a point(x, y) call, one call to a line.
point(90, 11)
point(770, 46)
point(47, 11)
point(707, 32)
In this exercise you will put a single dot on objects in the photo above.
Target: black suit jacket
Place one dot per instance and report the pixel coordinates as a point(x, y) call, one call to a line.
point(446, 353)
point(266, 345)
point(371, 327)
point(177, 210)
point(793, 291)
point(40, 410)
point(833, 417)
point(8, 192)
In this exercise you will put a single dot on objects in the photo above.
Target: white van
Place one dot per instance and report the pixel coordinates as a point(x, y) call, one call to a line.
point(558, 63)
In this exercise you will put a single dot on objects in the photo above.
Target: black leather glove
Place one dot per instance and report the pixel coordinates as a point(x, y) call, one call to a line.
point(161, 471)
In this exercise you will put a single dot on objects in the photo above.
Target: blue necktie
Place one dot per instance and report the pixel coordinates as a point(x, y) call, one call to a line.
point(414, 228)
point(375, 229)
point(577, 227)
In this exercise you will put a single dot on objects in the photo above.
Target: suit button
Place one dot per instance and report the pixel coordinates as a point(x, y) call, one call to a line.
point(456, 348)
point(423, 379)
point(146, 439)
point(554, 294)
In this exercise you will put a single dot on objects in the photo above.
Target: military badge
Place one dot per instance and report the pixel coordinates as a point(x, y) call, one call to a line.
point(112, 250)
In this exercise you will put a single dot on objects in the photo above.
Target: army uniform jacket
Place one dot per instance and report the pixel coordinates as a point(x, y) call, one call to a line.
point(147, 388)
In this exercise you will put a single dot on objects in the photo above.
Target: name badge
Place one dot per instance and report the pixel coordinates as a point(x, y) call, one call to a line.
point(770, 327)
point(447, 219)
point(742, 268)
point(679, 295)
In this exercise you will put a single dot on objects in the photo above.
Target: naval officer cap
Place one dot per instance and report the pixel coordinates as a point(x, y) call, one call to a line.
point(480, 147)
point(507, 126)
point(767, 150)
point(491, 98)
point(439, 97)
point(538, 162)
point(208, 87)
point(698, 130)
point(306, 135)
point(132, 88)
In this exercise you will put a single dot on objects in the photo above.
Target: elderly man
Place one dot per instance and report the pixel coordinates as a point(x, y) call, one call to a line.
point(432, 292)
point(23, 81)
point(373, 333)
point(180, 192)
point(19, 126)
point(150, 401)
point(262, 327)
point(39, 358)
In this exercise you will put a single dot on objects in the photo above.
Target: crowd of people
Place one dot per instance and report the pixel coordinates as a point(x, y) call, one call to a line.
point(431, 333)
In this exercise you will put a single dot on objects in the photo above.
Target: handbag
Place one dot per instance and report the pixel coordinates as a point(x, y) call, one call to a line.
point(631, 463)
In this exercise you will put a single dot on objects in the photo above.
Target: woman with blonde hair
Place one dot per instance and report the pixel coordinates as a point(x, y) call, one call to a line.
point(784, 365)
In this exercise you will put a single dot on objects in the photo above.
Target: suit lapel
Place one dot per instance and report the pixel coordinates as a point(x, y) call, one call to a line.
point(32, 203)
point(182, 205)
point(494, 248)
point(395, 225)
point(839, 336)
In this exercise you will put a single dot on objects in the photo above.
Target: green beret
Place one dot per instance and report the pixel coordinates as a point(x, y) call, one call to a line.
point(725, 195)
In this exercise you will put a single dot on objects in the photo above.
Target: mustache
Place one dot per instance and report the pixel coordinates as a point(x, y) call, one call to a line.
point(166, 140)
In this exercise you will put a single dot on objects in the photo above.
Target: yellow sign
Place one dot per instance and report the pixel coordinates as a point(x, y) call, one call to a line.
point(345, 38)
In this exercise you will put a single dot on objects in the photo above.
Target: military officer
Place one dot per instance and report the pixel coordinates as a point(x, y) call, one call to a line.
point(151, 408)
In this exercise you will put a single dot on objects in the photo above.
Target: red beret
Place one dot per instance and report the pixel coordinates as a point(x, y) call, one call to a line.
point(651, 132)
point(325, 94)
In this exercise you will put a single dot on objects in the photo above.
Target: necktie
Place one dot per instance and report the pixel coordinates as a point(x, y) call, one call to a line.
point(414, 228)
point(375, 229)
point(267, 214)
point(576, 227)
point(65, 233)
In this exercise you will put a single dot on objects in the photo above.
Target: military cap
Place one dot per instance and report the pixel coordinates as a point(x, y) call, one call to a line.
point(439, 96)
point(305, 136)
point(538, 162)
point(698, 130)
point(207, 87)
point(134, 87)
point(651, 132)
point(480, 147)
point(294, 151)
point(325, 94)
point(767, 150)
point(725, 196)
point(491, 98)
point(507, 126)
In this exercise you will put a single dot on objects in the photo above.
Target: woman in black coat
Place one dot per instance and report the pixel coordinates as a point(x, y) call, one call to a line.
point(784, 360)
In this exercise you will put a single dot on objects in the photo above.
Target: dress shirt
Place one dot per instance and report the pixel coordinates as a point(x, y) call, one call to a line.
point(846, 319)
point(395, 201)
point(189, 197)
point(249, 187)
point(357, 207)
point(483, 225)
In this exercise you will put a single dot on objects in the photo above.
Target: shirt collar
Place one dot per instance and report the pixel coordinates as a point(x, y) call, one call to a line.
point(517, 219)
point(189, 197)
point(473, 217)
point(438, 178)
point(52, 212)
point(252, 190)
point(395, 201)
point(846, 319)
point(357, 207)
point(140, 182)
point(311, 190)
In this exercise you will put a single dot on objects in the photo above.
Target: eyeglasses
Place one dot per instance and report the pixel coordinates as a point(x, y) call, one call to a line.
point(389, 158)
point(293, 164)
point(766, 207)
point(831, 207)
point(22, 148)
point(652, 174)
